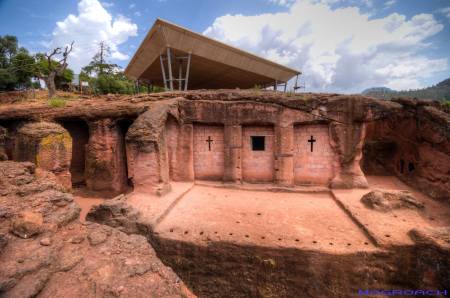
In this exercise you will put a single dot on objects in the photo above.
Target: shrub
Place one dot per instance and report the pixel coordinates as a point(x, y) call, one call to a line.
point(57, 102)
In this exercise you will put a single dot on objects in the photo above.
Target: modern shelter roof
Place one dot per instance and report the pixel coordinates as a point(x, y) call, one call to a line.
point(213, 64)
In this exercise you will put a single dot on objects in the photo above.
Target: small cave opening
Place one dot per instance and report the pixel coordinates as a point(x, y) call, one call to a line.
point(401, 166)
point(11, 127)
point(123, 126)
point(378, 157)
point(411, 167)
point(79, 132)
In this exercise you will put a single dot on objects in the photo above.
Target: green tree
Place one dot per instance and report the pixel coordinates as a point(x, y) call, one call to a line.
point(99, 65)
point(63, 81)
point(23, 67)
point(8, 48)
point(16, 64)
point(7, 80)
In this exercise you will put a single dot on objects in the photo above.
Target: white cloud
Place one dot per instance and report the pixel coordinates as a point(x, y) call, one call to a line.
point(137, 13)
point(445, 11)
point(389, 3)
point(282, 2)
point(288, 3)
point(107, 4)
point(338, 49)
point(92, 24)
point(132, 5)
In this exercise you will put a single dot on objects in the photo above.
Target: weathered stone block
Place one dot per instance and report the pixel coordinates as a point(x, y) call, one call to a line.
point(48, 145)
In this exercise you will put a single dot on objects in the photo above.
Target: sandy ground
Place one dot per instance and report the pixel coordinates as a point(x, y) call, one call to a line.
point(336, 222)
point(275, 219)
point(392, 228)
point(436, 213)
point(86, 200)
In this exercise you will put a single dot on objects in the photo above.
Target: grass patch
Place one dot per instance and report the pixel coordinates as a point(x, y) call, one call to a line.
point(57, 102)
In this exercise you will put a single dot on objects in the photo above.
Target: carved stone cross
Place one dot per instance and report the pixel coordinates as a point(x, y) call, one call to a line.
point(312, 140)
point(209, 140)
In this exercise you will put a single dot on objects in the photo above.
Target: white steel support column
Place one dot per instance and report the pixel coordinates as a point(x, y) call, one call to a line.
point(163, 72)
point(169, 65)
point(180, 70)
point(188, 67)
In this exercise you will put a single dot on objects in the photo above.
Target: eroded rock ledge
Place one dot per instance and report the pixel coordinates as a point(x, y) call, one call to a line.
point(46, 252)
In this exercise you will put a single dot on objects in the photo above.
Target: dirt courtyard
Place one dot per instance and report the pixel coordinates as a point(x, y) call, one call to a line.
point(249, 238)
point(319, 219)
point(312, 220)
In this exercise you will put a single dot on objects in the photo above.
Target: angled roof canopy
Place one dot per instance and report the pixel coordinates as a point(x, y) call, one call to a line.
point(175, 57)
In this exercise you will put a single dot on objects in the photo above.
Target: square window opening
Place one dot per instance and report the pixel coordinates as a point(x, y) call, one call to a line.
point(258, 143)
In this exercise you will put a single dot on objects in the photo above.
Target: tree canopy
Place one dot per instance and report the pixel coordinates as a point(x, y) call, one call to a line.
point(18, 66)
point(105, 77)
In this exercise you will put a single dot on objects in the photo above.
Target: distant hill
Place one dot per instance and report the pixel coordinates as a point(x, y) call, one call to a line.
point(440, 91)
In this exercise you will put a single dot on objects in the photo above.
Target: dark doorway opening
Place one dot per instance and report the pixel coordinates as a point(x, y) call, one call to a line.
point(79, 132)
point(402, 166)
point(379, 157)
point(11, 127)
point(123, 126)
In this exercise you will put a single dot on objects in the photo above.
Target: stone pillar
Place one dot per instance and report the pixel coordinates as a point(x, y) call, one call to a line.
point(105, 158)
point(232, 153)
point(347, 141)
point(284, 159)
point(144, 164)
point(48, 145)
point(185, 169)
point(3, 155)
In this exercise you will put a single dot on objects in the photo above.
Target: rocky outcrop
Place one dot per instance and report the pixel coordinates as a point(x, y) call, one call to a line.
point(27, 224)
point(419, 139)
point(146, 150)
point(118, 214)
point(438, 237)
point(46, 144)
point(385, 201)
point(347, 140)
point(45, 251)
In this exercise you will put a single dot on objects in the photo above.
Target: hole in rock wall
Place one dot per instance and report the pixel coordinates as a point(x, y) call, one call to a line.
point(11, 127)
point(258, 143)
point(379, 157)
point(402, 166)
point(79, 132)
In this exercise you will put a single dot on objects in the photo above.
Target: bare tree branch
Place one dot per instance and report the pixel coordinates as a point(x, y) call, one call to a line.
point(55, 67)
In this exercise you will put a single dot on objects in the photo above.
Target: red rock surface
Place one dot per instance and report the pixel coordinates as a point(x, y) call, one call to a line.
point(256, 241)
point(65, 258)
point(147, 155)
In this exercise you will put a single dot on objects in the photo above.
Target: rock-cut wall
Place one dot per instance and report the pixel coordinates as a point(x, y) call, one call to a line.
point(413, 145)
point(208, 135)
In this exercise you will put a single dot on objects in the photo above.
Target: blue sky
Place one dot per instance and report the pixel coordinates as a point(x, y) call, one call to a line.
point(340, 45)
